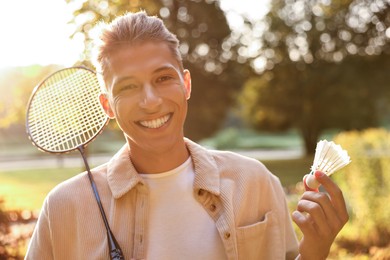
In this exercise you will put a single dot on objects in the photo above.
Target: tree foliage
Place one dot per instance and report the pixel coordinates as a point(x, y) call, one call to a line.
point(367, 182)
point(323, 65)
point(202, 28)
point(16, 87)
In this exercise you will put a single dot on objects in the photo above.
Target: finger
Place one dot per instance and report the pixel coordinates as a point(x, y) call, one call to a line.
point(335, 195)
point(316, 212)
point(328, 210)
point(304, 223)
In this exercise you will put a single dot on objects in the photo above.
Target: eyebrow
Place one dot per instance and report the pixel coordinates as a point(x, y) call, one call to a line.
point(164, 67)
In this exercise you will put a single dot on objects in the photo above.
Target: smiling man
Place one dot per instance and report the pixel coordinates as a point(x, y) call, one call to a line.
point(148, 98)
point(165, 196)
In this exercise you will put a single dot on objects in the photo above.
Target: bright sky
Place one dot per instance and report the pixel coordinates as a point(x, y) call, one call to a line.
point(36, 31)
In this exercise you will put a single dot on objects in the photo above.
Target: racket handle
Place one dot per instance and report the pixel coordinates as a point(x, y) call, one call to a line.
point(116, 254)
point(115, 250)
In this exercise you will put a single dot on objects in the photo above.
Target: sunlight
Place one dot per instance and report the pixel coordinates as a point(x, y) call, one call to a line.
point(36, 32)
point(254, 10)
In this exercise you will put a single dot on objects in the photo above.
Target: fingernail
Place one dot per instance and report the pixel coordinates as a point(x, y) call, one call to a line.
point(319, 174)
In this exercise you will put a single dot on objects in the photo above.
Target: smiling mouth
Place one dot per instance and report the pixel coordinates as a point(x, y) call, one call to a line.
point(156, 123)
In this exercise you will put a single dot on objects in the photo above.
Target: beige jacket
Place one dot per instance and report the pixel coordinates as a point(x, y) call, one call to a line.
point(246, 201)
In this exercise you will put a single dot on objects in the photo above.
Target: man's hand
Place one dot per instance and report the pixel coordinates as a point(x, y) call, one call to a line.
point(320, 217)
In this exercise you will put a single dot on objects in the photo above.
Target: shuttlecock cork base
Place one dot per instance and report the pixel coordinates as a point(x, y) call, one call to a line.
point(329, 158)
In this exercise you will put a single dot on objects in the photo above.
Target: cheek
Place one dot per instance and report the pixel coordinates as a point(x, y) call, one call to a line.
point(121, 106)
point(182, 104)
point(185, 107)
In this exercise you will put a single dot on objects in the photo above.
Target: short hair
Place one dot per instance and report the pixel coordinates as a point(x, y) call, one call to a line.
point(129, 29)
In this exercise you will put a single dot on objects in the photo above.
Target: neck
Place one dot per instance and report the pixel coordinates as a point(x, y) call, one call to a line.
point(151, 161)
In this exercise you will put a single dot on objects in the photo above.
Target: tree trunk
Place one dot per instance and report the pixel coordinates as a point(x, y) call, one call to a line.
point(310, 137)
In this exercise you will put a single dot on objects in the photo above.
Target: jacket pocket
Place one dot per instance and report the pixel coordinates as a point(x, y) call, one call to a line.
point(260, 240)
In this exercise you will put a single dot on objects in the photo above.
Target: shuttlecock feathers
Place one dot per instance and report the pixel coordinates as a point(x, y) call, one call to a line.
point(329, 158)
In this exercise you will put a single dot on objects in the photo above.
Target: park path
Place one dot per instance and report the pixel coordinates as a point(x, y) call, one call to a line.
point(66, 160)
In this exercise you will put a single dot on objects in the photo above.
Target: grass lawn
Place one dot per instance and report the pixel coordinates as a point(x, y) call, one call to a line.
point(26, 189)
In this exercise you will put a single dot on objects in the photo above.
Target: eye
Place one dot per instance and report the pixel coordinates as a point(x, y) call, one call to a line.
point(164, 78)
point(128, 87)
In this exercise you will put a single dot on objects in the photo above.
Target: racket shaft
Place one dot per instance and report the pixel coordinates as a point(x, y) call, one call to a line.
point(114, 248)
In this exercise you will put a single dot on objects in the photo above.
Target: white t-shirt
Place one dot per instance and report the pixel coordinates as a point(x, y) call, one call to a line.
point(179, 227)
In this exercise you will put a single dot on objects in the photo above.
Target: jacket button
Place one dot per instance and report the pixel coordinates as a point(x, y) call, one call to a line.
point(226, 235)
point(213, 207)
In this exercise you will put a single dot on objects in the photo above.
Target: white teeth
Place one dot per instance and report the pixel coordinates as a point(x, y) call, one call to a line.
point(156, 123)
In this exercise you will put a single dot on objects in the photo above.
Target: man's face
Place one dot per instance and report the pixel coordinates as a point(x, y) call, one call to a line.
point(147, 94)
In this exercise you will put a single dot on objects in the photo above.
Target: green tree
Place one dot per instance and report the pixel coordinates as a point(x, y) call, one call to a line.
point(202, 28)
point(16, 86)
point(322, 64)
point(367, 184)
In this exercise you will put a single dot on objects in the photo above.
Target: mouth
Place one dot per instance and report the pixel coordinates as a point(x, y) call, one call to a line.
point(155, 123)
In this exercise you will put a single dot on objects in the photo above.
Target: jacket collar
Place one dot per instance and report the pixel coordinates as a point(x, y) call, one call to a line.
point(122, 176)
point(206, 169)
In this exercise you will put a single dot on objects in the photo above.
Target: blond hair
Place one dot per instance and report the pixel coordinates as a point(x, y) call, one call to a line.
point(130, 29)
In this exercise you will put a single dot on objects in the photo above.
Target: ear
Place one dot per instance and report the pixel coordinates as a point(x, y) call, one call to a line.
point(187, 83)
point(106, 105)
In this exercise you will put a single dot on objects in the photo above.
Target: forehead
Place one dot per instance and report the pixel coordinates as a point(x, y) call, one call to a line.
point(139, 60)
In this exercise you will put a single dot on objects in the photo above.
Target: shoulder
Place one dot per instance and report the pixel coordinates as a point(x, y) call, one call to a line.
point(237, 164)
point(74, 190)
point(228, 163)
point(234, 158)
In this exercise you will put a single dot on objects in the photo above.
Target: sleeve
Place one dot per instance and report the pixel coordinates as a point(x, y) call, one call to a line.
point(40, 245)
point(290, 238)
point(292, 250)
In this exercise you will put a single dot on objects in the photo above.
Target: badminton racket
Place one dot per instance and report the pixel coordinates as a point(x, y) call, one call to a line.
point(63, 115)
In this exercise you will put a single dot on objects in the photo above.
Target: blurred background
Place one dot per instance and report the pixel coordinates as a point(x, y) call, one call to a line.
point(270, 79)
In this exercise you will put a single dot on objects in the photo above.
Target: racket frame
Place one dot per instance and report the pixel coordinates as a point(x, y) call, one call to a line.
point(34, 92)
point(115, 251)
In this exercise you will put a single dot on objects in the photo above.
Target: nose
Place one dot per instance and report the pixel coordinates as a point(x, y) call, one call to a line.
point(150, 99)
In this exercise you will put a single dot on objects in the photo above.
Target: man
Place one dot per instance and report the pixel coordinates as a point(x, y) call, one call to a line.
point(166, 197)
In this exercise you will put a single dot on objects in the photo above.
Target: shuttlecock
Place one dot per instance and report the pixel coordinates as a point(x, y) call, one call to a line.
point(329, 158)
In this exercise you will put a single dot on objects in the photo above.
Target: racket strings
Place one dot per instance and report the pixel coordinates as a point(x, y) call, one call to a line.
point(65, 112)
